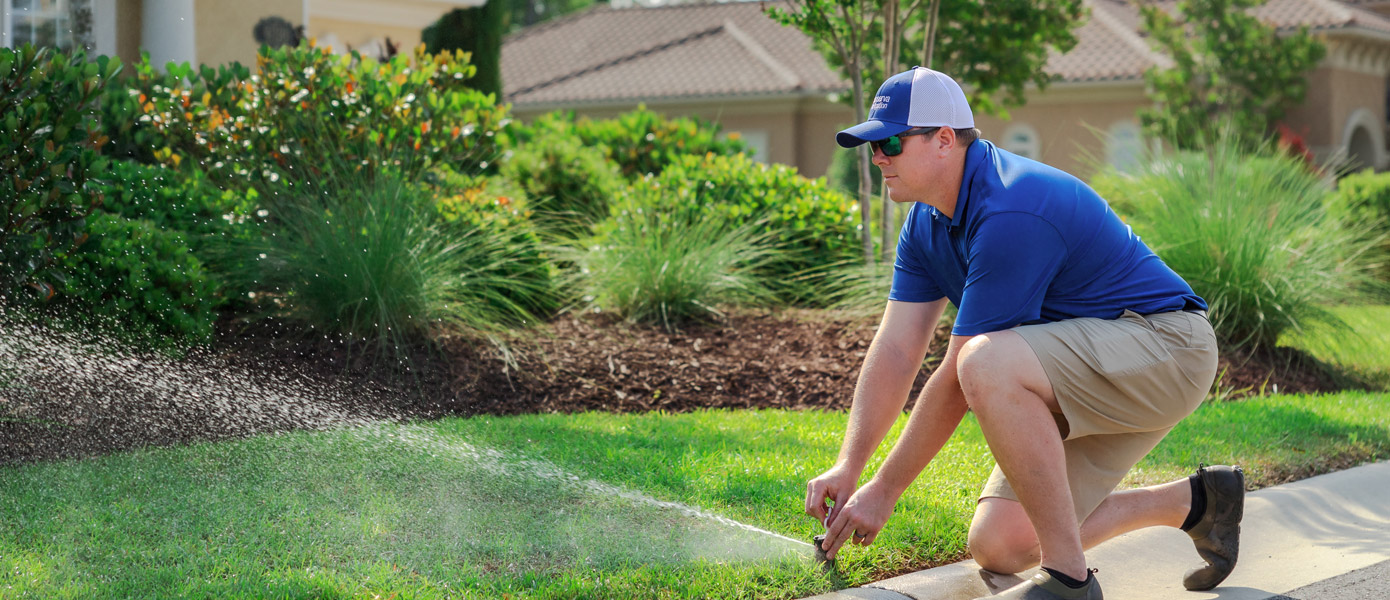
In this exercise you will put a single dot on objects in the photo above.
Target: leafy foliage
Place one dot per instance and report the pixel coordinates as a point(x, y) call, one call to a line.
point(1227, 67)
point(1249, 232)
point(570, 184)
point(640, 142)
point(272, 129)
point(1365, 198)
point(142, 282)
point(49, 141)
point(477, 31)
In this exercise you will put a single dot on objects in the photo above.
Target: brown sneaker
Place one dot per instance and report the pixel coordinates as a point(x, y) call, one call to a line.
point(1217, 533)
point(1043, 587)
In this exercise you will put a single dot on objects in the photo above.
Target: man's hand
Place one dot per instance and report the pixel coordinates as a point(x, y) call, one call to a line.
point(835, 485)
point(859, 519)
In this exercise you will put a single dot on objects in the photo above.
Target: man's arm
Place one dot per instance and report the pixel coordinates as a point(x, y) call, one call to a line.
point(938, 412)
point(884, 383)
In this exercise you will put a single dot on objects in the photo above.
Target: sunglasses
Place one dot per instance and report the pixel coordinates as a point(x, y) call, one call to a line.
point(893, 146)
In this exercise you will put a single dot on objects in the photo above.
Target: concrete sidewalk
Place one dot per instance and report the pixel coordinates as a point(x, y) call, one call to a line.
point(1293, 537)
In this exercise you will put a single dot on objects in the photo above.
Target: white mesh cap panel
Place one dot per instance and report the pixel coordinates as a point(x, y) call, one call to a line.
point(938, 101)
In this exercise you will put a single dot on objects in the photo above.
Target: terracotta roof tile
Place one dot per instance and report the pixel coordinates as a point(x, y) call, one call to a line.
point(607, 54)
point(1111, 47)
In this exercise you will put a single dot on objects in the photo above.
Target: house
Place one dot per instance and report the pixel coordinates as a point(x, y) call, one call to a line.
point(727, 63)
point(215, 32)
point(731, 64)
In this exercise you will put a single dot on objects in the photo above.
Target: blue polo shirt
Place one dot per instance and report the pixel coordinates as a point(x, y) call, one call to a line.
point(1029, 243)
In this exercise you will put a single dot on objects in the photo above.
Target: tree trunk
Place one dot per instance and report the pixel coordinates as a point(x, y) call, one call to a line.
point(930, 43)
point(892, 37)
point(866, 191)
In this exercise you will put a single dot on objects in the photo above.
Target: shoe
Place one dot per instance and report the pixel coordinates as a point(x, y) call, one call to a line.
point(1043, 587)
point(1217, 533)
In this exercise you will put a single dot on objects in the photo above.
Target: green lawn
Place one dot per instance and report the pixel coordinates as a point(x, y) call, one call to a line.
point(1363, 348)
point(547, 506)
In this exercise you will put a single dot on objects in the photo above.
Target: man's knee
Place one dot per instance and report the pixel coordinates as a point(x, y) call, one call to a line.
point(995, 362)
point(1001, 537)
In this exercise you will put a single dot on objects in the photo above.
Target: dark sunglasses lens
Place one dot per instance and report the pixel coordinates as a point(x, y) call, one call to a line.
point(890, 147)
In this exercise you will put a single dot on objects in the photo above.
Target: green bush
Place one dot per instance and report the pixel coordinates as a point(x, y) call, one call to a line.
point(810, 224)
point(176, 200)
point(141, 282)
point(375, 262)
point(272, 128)
point(49, 142)
point(639, 142)
point(1249, 232)
point(570, 185)
point(650, 272)
point(1365, 198)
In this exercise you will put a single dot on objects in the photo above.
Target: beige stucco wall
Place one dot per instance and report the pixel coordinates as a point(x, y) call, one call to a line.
point(1064, 117)
point(1334, 96)
point(225, 29)
point(799, 132)
point(355, 34)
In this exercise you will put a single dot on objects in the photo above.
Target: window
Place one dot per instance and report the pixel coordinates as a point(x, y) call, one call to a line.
point(1124, 146)
point(1022, 139)
point(62, 24)
point(757, 141)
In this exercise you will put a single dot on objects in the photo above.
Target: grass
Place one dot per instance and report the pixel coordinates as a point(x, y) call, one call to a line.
point(1363, 348)
point(549, 506)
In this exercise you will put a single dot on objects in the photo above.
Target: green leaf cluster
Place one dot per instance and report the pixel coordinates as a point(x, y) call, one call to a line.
point(1365, 198)
point(49, 156)
point(639, 142)
point(142, 282)
point(1228, 67)
point(569, 183)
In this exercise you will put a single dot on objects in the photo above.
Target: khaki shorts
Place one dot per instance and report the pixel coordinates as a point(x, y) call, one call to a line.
point(1122, 384)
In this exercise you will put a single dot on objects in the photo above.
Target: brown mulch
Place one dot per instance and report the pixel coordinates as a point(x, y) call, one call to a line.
point(790, 359)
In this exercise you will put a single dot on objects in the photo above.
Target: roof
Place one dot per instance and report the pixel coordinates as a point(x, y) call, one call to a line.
point(1111, 47)
point(607, 54)
point(689, 51)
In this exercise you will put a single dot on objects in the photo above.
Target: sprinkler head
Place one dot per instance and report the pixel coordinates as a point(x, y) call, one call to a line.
point(824, 562)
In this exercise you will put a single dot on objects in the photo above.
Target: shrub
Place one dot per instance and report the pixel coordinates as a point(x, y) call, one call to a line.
point(639, 142)
point(570, 185)
point(141, 282)
point(647, 271)
point(1365, 198)
point(49, 141)
point(811, 225)
point(176, 200)
point(1249, 232)
point(272, 129)
point(375, 262)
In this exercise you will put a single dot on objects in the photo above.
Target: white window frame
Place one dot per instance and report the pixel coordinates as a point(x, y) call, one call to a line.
point(1113, 150)
point(103, 23)
point(1034, 143)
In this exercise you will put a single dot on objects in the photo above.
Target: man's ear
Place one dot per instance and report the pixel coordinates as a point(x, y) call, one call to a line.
point(945, 141)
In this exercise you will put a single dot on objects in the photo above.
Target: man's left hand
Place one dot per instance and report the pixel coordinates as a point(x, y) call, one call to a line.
point(860, 520)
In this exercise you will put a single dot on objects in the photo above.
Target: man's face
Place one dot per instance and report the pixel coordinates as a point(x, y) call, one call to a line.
point(911, 173)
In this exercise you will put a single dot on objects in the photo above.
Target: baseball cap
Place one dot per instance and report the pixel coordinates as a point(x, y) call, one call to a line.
point(919, 97)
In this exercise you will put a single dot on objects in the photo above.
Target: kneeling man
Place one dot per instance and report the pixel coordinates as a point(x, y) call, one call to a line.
point(1077, 348)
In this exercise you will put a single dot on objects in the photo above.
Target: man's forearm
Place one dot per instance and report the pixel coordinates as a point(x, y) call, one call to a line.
point(879, 397)
point(934, 418)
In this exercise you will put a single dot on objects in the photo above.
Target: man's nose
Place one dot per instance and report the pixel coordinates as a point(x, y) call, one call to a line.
point(877, 157)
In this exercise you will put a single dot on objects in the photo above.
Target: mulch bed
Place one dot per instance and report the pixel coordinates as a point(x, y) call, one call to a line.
point(790, 359)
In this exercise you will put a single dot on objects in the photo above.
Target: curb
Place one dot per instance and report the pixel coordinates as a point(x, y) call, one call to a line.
point(1294, 535)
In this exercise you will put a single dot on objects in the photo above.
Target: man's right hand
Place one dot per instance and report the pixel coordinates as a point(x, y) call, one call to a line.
point(835, 485)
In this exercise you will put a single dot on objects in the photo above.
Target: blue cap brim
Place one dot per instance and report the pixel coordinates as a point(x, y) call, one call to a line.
point(869, 131)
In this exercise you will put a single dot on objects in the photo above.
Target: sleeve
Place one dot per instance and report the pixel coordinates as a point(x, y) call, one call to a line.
point(912, 282)
point(1013, 259)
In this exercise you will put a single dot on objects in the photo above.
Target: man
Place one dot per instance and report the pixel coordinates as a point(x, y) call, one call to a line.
point(1076, 347)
